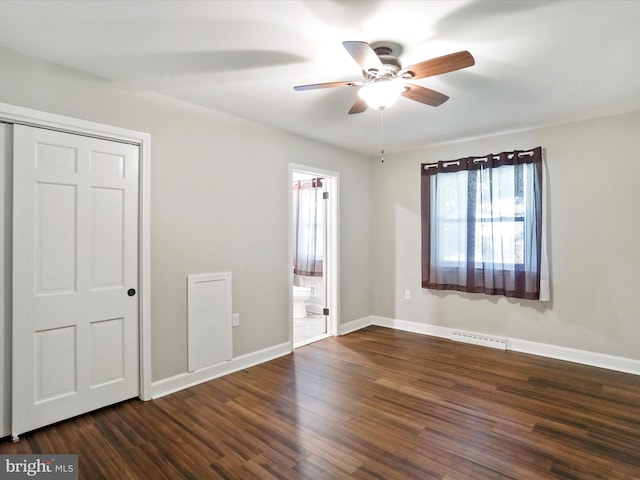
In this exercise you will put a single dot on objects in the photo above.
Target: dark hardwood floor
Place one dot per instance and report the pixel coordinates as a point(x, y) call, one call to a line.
point(375, 404)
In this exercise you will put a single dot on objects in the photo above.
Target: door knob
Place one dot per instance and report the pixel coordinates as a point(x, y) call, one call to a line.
point(131, 292)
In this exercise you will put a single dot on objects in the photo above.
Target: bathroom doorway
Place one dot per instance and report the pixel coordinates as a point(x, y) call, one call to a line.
point(313, 254)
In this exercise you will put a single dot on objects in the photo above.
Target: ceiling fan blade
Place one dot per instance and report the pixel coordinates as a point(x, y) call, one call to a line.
point(315, 86)
point(364, 55)
point(424, 95)
point(439, 65)
point(358, 107)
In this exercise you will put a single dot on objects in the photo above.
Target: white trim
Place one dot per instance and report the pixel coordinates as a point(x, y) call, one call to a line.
point(145, 267)
point(333, 246)
point(6, 212)
point(179, 382)
point(594, 359)
point(584, 357)
point(355, 325)
point(414, 327)
point(40, 119)
point(35, 118)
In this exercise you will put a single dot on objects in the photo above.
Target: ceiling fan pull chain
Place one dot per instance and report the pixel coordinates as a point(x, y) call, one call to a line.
point(382, 135)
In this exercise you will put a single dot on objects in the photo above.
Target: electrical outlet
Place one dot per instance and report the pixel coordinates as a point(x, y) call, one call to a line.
point(235, 319)
point(407, 294)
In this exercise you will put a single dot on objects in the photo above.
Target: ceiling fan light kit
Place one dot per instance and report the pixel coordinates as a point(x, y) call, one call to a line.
point(382, 93)
point(385, 79)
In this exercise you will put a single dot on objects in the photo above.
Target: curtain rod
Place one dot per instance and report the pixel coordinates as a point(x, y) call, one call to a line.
point(527, 153)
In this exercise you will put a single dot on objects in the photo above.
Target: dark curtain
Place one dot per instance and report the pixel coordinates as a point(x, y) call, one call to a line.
point(482, 224)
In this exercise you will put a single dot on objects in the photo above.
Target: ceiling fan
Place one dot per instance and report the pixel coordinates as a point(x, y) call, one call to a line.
point(385, 79)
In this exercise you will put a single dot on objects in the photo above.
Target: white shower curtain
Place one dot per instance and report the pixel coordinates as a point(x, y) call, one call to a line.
point(308, 232)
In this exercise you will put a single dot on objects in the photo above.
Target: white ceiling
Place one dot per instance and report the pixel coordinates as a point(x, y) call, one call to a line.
point(537, 62)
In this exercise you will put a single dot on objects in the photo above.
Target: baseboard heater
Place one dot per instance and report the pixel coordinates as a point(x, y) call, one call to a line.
point(479, 339)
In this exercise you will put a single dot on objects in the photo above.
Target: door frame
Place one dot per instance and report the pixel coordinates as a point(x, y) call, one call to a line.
point(332, 274)
point(35, 118)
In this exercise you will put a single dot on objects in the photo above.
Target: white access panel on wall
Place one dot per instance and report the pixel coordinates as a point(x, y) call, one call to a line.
point(209, 301)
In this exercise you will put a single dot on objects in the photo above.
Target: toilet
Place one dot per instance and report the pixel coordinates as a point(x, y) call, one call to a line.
point(300, 296)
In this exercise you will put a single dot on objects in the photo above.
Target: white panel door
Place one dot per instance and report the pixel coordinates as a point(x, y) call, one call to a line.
point(75, 276)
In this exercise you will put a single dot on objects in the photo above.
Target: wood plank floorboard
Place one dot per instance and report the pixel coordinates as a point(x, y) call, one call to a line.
point(374, 404)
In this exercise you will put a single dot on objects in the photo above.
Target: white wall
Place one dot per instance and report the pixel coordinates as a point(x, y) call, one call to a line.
point(219, 202)
point(594, 231)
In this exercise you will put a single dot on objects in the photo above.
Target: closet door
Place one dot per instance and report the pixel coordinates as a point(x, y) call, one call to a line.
point(75, 276)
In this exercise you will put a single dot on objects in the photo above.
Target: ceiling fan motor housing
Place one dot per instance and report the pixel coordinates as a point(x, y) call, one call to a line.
point(388, 53)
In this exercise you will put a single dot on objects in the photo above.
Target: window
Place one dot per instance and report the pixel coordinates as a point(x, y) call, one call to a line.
point(482, 224)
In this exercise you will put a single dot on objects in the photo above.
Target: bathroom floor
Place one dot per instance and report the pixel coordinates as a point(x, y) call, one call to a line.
point(309, 329)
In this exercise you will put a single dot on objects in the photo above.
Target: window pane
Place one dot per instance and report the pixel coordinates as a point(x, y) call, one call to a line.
point(452, 242)
point(499, 233)
point(500, 242)
point(449, 242)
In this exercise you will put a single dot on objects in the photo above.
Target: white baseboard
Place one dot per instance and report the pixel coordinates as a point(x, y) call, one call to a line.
point(414, 327)
point(354, 325)
point(179, 382)
point(594, 359)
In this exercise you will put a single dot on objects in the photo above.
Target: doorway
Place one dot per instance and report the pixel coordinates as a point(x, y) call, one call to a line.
point(104, 196)
point(313, 254)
